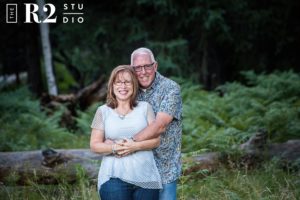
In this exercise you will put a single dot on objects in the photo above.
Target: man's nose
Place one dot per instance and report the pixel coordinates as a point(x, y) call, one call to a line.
point(143, 70)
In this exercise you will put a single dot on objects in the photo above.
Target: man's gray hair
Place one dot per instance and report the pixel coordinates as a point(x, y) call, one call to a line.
point(141, 51)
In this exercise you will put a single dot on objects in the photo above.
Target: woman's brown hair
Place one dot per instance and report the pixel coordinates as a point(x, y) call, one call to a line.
point(111, 99)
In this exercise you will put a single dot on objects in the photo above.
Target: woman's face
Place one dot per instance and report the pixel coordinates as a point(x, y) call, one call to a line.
point(123, 86)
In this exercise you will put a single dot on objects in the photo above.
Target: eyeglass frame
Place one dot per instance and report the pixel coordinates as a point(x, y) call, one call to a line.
point(120, 83)
point(147, 67)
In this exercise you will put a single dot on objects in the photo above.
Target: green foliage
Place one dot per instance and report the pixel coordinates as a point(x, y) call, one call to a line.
point(26, 127)
point(270, 102)
point(213, 121)
point(85, 118)
point(269, 182)
point(82, 189)
point(64, 79)
point(171, 57)
point(82, 54)
point(187, 36)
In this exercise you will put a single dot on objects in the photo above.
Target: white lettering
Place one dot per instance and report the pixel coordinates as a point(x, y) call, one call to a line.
point(73, 19)
point(65, 20)
point(33, 13)
point(52, 11)
point(80, 19)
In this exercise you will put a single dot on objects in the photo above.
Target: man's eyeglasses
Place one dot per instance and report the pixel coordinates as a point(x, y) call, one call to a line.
point(120, 83)
point(147, 67)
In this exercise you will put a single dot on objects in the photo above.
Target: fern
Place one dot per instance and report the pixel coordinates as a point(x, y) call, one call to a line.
point(269, 102)
point(85, 118)
point(26, 127)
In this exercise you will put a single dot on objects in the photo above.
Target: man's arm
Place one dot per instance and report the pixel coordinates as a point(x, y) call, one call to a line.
point(154, 129)
point(129, 146)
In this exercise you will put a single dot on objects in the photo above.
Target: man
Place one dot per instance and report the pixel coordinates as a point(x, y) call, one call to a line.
point(164, 96)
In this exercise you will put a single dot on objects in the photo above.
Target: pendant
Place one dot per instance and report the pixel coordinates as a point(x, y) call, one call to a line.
point(121, 117)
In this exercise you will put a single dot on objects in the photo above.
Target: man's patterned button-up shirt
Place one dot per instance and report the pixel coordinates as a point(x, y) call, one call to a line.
point(164, 96)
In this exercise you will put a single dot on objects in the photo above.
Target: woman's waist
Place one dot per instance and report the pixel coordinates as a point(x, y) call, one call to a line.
point(146, 153)
point(138, 164)
point(137, 158)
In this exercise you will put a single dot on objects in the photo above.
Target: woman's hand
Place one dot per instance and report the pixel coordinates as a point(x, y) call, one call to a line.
point(126, 146)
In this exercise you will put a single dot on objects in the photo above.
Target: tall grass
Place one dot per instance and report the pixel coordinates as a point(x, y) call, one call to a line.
point(78, 191)
point(266, 183)
point(83, 189)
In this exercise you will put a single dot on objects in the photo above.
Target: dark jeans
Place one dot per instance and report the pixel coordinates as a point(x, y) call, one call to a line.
point(116, 189)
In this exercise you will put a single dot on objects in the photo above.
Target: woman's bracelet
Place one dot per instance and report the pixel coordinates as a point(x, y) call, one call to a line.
point(113, 149)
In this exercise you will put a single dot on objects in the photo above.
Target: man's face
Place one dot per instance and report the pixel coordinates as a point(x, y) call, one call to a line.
point(144, 69)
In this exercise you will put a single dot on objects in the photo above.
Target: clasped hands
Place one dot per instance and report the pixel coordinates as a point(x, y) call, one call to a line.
point(122, 147)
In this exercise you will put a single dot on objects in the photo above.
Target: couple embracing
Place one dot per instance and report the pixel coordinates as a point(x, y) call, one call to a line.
point(139, 131)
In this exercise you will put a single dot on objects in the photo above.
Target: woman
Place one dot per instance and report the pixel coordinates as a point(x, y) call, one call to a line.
point(134, 176)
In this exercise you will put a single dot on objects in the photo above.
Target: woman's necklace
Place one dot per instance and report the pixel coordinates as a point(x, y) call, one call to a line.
point(122, 115)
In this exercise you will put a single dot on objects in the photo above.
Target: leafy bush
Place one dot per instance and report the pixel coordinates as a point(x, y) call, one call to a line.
point(64, 79)
point(213, 121)
point(230, 114)
point(85, 118)
point(25, 127)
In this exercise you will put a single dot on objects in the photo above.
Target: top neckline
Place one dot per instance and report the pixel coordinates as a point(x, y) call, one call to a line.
point(120, 116)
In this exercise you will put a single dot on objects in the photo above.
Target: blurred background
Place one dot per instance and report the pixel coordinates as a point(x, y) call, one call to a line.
point(237, 62)
point(209, 42)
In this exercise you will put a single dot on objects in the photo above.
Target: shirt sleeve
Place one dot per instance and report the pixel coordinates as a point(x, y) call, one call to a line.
point(150, 113)
point(98, 122)
point(172, 102)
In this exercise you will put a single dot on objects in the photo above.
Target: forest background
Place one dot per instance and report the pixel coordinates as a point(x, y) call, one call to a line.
point(236, 61)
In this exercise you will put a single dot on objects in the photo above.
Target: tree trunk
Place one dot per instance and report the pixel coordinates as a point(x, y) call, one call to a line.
point(92, 93)
point(44, 29)
point(204, 64)
point(210, 71)
point(33, 60)
point(48, 166)
point(253, 152)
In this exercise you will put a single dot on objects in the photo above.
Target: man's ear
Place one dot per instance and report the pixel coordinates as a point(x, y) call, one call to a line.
point(155, 66)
